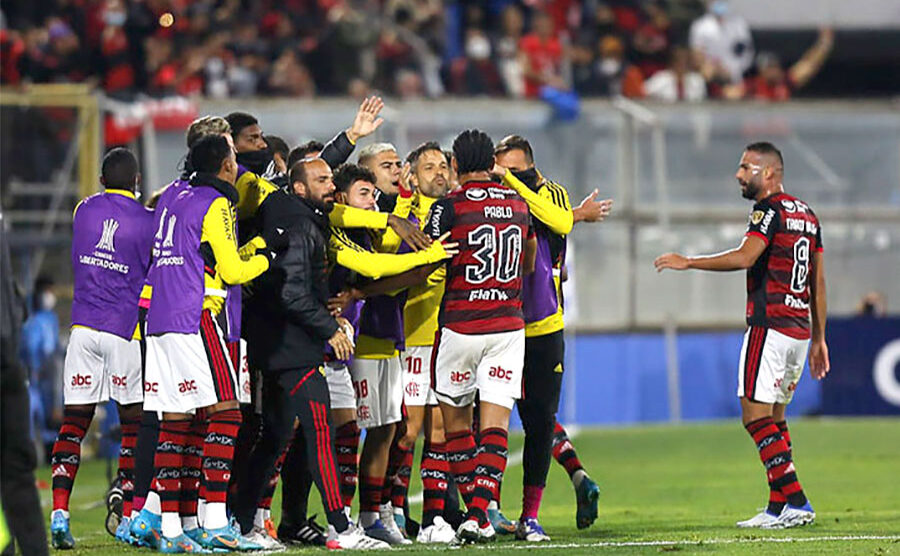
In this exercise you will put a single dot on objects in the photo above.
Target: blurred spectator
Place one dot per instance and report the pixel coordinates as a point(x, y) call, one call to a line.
point(773, 83)
point(610, 74)
point(475, 74)
point(873, 304)
point(651, 40)
point(541, 56)
point(679, 82)
point(506, 50)
point(290, 78)
point(723, 38)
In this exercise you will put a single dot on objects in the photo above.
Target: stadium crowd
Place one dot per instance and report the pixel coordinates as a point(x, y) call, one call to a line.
point(667, 50)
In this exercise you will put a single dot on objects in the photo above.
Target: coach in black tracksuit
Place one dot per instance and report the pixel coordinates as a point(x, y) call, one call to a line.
point(289, 325)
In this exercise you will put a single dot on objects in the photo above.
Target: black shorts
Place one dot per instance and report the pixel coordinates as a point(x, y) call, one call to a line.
point(544, 363)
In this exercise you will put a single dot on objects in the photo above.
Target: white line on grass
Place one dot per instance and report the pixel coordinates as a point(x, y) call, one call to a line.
point(514, 459)
point(685, 542)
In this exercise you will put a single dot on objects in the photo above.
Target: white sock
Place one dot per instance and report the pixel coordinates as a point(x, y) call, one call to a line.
point(259, 520)
point(134, 514)
point(190, 523)
point(64, 512)
point(215, 517)
point(492, 505)
point(367, 519)
point(577, 477)
point(171, 525)
point(201, 511)
point(152, 504)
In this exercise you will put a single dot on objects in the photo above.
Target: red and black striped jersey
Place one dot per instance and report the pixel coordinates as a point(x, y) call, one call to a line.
point(483, 291)
point(778, 283)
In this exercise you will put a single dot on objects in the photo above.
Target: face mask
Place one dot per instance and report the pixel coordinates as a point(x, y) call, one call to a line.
point(610, 66)
point(114, 18)
point(719, 8)
point(48, 301)
point(529, 177)
point(256, 161)
point(478, 48)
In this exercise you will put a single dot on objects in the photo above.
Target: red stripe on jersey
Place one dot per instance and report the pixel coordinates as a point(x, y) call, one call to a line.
point(759, 235)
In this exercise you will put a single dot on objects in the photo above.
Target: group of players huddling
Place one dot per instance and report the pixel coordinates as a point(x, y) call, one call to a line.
point(392, 297)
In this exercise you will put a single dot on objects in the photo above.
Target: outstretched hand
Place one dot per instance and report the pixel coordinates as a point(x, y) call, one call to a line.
point(367, 120)
point(409, 232)
point(591, 210)
point(673, 261)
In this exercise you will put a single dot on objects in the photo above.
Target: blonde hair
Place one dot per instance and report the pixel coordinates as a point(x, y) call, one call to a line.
point(204, 125)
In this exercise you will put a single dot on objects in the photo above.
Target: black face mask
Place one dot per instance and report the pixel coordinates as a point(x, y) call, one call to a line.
point(529, 177)
point(256, 161)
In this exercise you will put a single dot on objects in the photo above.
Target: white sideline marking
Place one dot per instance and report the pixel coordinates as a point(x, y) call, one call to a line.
point(685, 542)
point(514, 459)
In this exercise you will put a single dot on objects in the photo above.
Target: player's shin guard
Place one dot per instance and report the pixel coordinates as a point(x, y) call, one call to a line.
point(776, 457)
point(66, 454)
point(564, 452)
point(400, 485)
point(435, 471)
point(461, 452)
point(490, 465)
point(218, 455)
point(126, 463)
point(347, 446)
point(168, 462)
point(191, 474)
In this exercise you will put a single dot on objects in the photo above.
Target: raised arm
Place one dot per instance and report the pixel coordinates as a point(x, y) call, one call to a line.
point(552, 209)
point(812, 60)
point(741, 258)
point(218, 233)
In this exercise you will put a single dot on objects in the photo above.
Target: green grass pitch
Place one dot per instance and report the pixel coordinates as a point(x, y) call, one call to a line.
point(668, 489)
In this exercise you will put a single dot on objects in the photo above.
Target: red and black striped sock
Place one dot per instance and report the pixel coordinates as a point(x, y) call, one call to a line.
point(191, 462)
point(490, 465)
point(347, 446)
point(776, 457)
point(435, 472)
point(400, 483)
point(461, 452)
point(168, 461)
point(777, 500)
point(370, 489)
point(126, 462)
point(564, 452)
point(218, 453)
point(66, 455)
point(265, 500)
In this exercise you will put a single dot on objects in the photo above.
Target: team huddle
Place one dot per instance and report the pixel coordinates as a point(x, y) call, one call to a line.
point(271, 303)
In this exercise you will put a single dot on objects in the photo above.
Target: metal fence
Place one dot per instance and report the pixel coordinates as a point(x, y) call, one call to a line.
point(670, 170)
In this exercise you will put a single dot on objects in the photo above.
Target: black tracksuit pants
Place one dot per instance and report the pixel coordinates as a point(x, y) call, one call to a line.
point(300, 393)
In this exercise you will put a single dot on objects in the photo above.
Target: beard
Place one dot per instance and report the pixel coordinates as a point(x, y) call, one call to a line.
point(749, 190)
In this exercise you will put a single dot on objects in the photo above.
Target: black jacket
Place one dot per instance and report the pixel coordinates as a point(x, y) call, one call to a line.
point(287, 320)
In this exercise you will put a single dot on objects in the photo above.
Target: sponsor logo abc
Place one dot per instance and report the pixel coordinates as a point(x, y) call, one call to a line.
point(457, 377)
point(120, 381)
point(81, 380)
point(187, 386)
point(500, 373)
point(151, 387)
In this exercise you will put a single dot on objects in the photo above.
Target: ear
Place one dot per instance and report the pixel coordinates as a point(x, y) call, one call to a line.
point(456, 165)
point(340, 197)
point(102, 181)
point(137, 179)
point(299, 188)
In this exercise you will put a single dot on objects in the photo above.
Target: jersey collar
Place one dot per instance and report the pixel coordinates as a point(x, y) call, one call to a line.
point(122, 192)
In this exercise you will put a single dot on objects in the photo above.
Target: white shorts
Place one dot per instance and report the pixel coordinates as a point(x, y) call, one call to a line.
point(489, 363)
point(416, 365)
point(771, 365)
point(188, 371)
point(340, 386)
point(101, 366)
point(379, 391)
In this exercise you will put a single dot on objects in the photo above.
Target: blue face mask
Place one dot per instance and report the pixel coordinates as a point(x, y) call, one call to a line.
point(719, 8)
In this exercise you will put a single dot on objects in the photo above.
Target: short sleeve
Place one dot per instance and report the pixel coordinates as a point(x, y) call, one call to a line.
point(440, 219)
point(763, 222)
